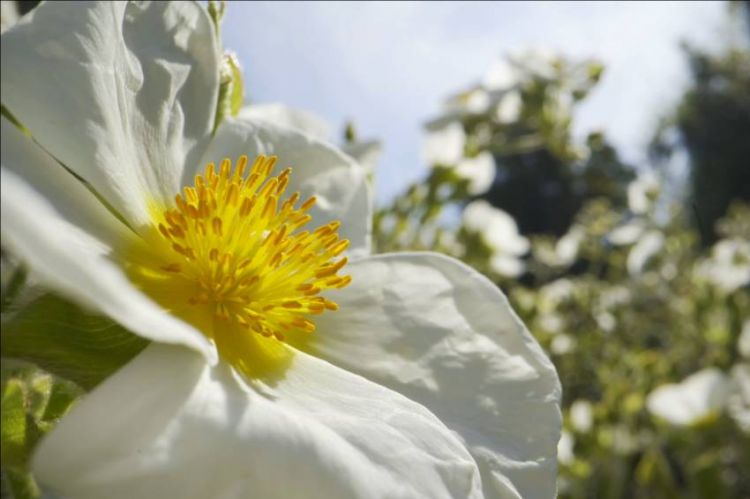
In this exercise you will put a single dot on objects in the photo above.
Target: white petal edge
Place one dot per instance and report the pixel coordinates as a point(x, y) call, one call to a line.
point(435, 330)
point(288, 117)
point(65, 236)
point(318, 168)
point(167, 425)
point(132, 98)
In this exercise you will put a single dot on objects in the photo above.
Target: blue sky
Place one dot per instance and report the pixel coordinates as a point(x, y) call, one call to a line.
point(387, 66)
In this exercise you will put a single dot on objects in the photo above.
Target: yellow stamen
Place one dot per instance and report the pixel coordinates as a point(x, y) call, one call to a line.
point(228, 256)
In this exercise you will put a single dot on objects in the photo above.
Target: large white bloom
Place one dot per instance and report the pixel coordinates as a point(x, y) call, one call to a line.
point(642, 193)
point(690, 401)
point(423, 384)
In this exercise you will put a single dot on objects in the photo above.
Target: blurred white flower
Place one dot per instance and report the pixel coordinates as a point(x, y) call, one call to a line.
point(473, 101)
point(217, 275)
point(501, 75)
point(444, 145)
point(606, 321)
point(728, 268)
point(567, 246)
point(554, 293)
point(499, 231)
point(581, 416)
point(562, 343)
point(479, 171)
point(627, 233)
point(509, 108)
point(646, 248)
point(692, 400)
point(565, 448)
point(540, 61)
point(642, 193)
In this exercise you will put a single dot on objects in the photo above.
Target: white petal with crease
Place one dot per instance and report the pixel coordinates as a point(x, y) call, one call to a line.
point(121, 93)
point(319, 169)
point(167, 425)
point(443, 335)
point(59, 229)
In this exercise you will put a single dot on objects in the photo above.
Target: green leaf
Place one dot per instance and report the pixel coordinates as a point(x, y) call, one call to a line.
point(14, 427)
point(69, 342)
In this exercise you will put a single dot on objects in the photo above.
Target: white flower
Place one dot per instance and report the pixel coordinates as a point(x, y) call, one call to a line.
point(562, 344)
point(499, 231)
point(567, 246)
point(729, 266)
point(444, 145)
point(627, 234)
point(479, 171)
point(565, 448)
point(508, 110)
point(642, 193)
point(692, 400)
point(581, 416)
point(646, 248)
point(420, 385)
point(501, 75)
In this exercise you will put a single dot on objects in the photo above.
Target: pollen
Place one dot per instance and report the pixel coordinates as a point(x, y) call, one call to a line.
point(234, 249)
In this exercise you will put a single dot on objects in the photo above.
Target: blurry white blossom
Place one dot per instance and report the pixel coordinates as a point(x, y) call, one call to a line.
point(509, 107)
point(562, 344)
point(646, 248)
point(565, 448)
point(728, 268)
point(692, 400)
point(642, 192)
point(628, 233)
point(499, 231)
point(479, 171)
point(501, 75)
point(567, 246)
point(444, 145)
point(581, 416)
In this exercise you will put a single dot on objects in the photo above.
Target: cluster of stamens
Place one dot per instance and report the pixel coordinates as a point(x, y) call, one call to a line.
point(241, 247)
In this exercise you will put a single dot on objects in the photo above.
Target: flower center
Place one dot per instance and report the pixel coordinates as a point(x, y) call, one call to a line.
point(230, 257)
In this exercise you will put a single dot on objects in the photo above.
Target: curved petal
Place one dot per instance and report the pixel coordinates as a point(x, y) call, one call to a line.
point(65, 236)
point(433, 329)
point(319, 169)
point(167, 425)
point(121, 93)
point(288, 117)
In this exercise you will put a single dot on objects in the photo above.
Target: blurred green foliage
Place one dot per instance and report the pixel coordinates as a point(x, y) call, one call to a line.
point(620, 283)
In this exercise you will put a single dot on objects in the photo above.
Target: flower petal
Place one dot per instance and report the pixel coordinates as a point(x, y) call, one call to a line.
point(433, 329)
point(167, 425)
point(319, 169)
point(288, 117)
point(65, 236)
point(121, 93)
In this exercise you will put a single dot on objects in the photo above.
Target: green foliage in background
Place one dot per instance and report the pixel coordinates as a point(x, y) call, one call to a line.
point(628, 286)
